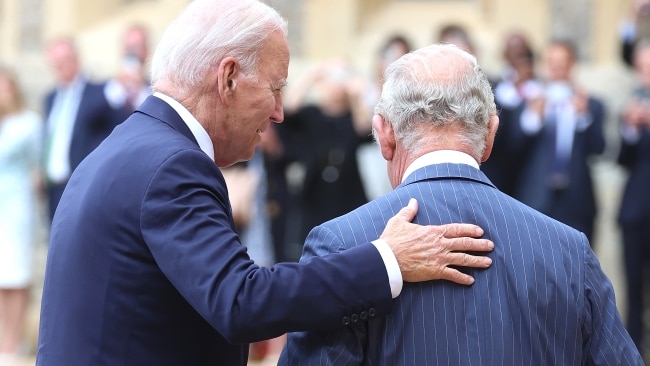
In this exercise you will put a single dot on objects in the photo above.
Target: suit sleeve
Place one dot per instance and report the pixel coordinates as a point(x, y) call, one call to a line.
point(605, 336)
point(187, 224)
point(629, 151)
point(343, 346)
point(596, 137)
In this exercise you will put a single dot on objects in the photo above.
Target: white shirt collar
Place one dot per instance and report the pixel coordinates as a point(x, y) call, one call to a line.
point(200, 134)
point(440, 157)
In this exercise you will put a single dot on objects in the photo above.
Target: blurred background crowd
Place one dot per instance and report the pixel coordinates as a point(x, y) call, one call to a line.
point(571, 79)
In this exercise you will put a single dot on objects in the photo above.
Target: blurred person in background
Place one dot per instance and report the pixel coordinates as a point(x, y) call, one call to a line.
point(130, 86)
point(634, 28)
point(517, 86)
point(455, 34)
point(20, 141)
point(135, 42)
point(564, 127)
point(325, 133)
point(128, 89)
point(372, 166)
point(634, 211)
point(78, 116)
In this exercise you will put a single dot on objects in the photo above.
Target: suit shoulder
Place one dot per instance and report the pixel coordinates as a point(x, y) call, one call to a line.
point(368, 220)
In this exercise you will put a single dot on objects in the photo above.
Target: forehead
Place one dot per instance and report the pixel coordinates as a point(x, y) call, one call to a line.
point(274, 58)
point(560, 51)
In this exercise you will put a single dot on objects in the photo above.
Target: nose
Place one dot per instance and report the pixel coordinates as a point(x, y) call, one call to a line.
point(278, 112)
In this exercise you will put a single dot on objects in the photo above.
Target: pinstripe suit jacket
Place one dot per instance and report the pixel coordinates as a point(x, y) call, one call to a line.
point(544, 301)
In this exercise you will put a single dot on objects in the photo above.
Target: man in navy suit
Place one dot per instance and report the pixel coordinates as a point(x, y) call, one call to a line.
point(562, 129)
point(78, 117)
point(145, 266)
point(634, 211)
point(544, 301)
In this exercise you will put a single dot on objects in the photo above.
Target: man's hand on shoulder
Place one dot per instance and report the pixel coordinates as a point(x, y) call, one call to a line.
point(426, 252)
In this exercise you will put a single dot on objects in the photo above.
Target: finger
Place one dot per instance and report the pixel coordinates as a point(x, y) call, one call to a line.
point(408, 213)
point(468, 260)
point(469, 245)
point(459, 230)
point(454, 275)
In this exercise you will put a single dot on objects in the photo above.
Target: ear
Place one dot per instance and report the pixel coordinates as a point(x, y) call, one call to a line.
point(385, 136)
point(227, 75)
point(493, 126)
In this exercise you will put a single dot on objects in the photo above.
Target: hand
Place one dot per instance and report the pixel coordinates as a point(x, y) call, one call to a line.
point(637, 113)
point(632, 113)
point(580, 102)
point(425, 252)
point(537, 105)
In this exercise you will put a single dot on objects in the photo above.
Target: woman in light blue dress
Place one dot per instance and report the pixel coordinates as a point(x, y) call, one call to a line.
point(20, 140)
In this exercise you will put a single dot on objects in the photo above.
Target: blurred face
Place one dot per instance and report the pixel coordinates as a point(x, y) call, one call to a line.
point(559, 62)
point(642, 64)
point(63, 60)
point(135, 43)
point(516, 47)
point(255, 103)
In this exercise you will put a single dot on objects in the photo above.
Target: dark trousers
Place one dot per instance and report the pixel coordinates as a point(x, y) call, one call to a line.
point(636, 243)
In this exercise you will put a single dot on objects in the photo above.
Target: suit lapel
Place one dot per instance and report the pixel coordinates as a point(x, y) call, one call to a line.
point(155, 107)
point(447, 171)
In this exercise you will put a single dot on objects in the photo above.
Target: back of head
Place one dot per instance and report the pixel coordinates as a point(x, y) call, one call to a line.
point(437, 86)
point(205, 33)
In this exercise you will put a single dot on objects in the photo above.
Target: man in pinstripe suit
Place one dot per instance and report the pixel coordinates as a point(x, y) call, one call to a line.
point(544, 301)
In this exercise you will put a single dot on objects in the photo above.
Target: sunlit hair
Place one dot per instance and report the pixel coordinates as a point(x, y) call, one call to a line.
point(17, 102)
point(208, 31)
point(436, 86)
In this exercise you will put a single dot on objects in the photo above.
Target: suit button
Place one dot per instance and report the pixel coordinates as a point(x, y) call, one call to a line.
point(354, 318)
point(363, 315)
point(372, 312)
point(346, 320)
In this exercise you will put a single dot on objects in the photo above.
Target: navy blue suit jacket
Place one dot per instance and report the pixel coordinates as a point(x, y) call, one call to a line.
point(575, 205)
point(95, 120)
point(635, 157)
point(544, 301)
point(145, 266)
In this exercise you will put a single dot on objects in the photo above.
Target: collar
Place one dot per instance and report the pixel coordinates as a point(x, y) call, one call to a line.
point(440, 157)
point(76, 84)
point(199, 133)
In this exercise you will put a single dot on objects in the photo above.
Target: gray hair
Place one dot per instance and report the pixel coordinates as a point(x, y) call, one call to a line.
point(208, 31)
point(437, 86)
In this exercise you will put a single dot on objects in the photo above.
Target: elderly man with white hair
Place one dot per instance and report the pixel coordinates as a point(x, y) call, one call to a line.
point(544, 301)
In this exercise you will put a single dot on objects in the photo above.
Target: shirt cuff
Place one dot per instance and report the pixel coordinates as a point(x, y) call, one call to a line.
point(392, 267)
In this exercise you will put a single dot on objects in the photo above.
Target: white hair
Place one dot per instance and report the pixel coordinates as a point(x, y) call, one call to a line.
point(437, 85)
point(208, 31)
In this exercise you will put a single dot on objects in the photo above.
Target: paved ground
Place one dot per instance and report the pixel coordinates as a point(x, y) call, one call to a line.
point(609, 179)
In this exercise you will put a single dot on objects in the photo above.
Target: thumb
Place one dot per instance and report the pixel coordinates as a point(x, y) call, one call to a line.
point(408, 213)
